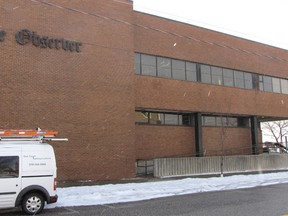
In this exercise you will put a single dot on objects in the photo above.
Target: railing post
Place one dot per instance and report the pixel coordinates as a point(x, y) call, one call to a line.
point(254, 134)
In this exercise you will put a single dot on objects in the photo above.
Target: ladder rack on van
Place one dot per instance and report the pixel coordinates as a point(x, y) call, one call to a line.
point(29, 135)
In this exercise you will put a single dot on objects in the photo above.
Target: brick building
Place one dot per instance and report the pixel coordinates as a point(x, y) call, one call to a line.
point(126, 86)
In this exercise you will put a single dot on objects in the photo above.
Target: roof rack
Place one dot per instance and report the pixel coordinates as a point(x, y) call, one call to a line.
point(29, 135)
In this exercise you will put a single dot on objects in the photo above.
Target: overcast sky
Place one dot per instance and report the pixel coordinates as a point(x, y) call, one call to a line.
point(265, 21)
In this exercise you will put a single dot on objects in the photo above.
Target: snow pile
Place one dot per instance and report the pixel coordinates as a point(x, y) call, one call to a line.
point(116, 193)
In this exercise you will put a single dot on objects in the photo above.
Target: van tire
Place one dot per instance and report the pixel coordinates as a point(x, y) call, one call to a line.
point(33, 203)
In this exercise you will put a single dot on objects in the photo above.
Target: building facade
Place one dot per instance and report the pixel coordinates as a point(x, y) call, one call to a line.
point(125, 86)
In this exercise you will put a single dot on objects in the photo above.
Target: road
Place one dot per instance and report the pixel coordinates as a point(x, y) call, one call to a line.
point(260, 201)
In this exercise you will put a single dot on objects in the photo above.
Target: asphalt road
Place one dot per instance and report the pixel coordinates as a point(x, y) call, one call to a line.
point(261, 201)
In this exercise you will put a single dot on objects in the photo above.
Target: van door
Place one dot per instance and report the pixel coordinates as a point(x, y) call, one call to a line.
point(10, 181)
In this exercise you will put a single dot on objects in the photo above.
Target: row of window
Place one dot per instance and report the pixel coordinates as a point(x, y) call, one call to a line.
point(158, 118)
point(161, 118)
point(183, 70)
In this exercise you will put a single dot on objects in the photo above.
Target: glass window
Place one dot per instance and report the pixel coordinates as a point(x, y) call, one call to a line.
point(219, 121)
point(228, 77)
point(171, 119)
point(230, 122)
point(267, 81)
point(239, 79)
point(209, 121)
point(276, 85)
point(164, 67)
point(248, 82)
point(137, 63)
point(142, 117)
point(156, 118)
point(261, 83)
point(243, 122)
point(185, 119)
point(284, 86)
point(191, 71)
point(9, 167)
point(217, 75)
point(178, 69)
point(148, 65)
point(205, 73)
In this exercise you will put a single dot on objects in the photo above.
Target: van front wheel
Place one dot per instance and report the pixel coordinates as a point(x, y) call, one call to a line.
point(33, 203)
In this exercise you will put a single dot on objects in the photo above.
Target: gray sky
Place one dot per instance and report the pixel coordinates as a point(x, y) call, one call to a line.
point(265, 21)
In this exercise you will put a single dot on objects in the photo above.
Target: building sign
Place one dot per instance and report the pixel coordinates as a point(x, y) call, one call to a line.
point(26, 36)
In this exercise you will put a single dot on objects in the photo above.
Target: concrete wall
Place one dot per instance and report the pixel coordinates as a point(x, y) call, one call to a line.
point(212, 165)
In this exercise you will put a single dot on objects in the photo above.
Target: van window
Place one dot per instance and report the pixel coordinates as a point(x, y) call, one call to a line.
point(9, 166)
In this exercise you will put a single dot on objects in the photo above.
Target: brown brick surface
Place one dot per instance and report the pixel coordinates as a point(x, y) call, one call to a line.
point(90, 96)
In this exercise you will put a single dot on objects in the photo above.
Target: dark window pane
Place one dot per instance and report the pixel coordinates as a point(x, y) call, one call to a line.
point(185, 119)
point(284, 86)
point(191, 71)
point(137, 63)
point(141, 117)
point(243, 122)
point(248, 81)
point(239, 79)
point(156, 118)
point(148, 65)
point(267, 81)
point(228, 77)
point(178, 69)
point(276, 85)
point(164, 67)
point(171, 119)
point(9, 167)
point(205, 74)
point(216, 75)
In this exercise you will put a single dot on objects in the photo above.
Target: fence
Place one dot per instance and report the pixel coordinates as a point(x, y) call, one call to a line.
point(212, 165)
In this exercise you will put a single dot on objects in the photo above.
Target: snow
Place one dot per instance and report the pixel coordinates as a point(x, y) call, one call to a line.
point(118, 193)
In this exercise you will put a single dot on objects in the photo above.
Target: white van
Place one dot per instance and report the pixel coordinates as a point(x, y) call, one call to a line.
point(27, 173)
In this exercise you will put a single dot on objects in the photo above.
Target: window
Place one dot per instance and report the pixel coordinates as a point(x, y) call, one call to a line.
point(205, 73)
point(9, 166)
point(156, 118)
point(239, 79)
point(209, 120)
point(267, 82)
point(148, 64)
point(228, 77)
point(142, 117)
point(159, 118)
point(164, 67)
point(185, 119)
point(276, 85)
point(225, 121)
point(248, 81)
point(191, 71)
point(178, 69)
point(217, 75)
point(137, 63)
point(171, 119)
point(284, 86)
point(183, 70)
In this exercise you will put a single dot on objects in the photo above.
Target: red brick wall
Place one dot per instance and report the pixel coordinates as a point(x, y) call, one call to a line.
point(164, 141)
point(234, 140)
point(86, 96)
point(207, 47)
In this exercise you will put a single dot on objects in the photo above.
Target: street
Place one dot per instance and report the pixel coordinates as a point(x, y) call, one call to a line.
point(260, 201)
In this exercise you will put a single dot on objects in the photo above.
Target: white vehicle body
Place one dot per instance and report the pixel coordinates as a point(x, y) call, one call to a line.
point(27, 168)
